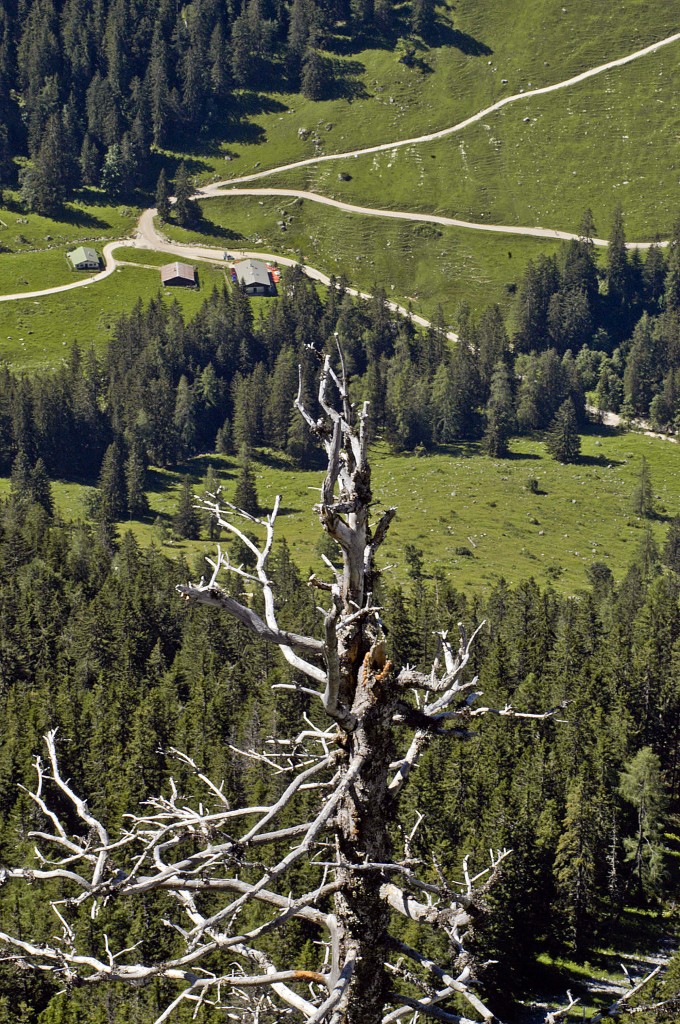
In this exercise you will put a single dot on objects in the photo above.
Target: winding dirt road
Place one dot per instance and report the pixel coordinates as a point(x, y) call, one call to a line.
point(429, 218)
point(148, 237)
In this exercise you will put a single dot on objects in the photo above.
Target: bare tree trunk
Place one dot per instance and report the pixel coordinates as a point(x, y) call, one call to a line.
point(363, 836)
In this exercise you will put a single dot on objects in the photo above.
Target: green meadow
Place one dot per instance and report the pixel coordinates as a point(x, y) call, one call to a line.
point(89, 219)
point(476, 519)
point(459, 71)
point(606, 140)
point(31, 271)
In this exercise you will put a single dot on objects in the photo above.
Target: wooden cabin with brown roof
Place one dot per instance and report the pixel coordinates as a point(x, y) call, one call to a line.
point(178, 274)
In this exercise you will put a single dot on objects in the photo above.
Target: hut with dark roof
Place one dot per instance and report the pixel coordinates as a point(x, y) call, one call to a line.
point(254, 277)
point(180, 274)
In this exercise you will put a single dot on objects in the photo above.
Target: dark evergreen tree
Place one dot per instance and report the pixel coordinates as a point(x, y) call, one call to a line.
point(186, 521)
point(653, 278)
point(41, 490)
point(642, 498)
point(315, 75)
point(186, 208)
point(671, 549)
point(672, 282)
point(422, 16)
point(90, 161)
point(562, 440)
point(111, 485)
point(541, 281)
point(135, 482)
point(245, 495)
point(163, 197)
point(500, 413)
point(617, 260)
point(576, 868)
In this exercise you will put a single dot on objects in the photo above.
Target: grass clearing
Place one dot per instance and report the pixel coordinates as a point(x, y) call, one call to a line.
point(129, 254)
point(31, 271)
point(427, 264)
point(474, 518)
point(37, 333)
point(598, 143)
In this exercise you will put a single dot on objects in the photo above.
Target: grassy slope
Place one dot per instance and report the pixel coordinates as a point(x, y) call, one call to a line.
point(533, 42)
point(29, 271)
point(427, 265)
point(37, 332)
point(459, 499)
point(598, 143)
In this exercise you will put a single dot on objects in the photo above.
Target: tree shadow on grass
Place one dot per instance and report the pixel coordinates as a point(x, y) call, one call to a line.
point(274, 461)
point(212, 230)
point(444, 34)
point(80, 218)
point(598, 460)
point(522, 457)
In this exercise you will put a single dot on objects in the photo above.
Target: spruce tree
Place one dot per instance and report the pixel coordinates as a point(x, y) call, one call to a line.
point(41, 491)
point(671, 549)
point(111, 485)
point(500, 413)
point(422, 16)
point(209, 490)
point(315, 76)
point(641, 785)
point(672, 282)
point(642, 498)
point(654, 275)
point(135, 483)
point(575, 867)
point(186, 209)
point(617, 259)
point(185, 521)
point(562, 439)
point(163, 197)
point(245, 495)
point(20, 483)
point(223, 443)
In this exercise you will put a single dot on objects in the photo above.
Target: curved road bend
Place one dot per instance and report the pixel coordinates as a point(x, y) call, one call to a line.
point(110, 266)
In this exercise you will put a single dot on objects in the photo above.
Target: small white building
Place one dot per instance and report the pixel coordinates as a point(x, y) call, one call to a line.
point(84, 258)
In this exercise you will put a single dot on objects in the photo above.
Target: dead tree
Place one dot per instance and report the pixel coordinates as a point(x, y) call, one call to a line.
point(219, 861)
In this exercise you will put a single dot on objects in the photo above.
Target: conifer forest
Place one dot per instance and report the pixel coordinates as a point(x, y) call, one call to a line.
point(232, 790)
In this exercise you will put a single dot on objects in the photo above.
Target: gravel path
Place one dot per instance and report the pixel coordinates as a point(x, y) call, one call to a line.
point(431, 218)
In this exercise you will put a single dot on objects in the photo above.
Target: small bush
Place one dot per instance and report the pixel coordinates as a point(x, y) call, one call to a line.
point(464, 551)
